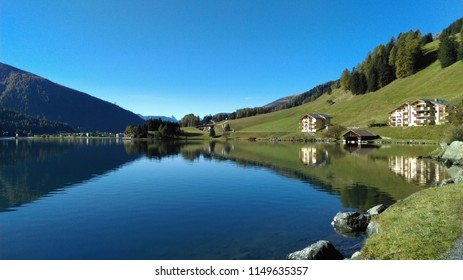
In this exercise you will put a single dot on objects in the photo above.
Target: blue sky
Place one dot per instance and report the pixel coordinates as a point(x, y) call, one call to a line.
point(175, 57)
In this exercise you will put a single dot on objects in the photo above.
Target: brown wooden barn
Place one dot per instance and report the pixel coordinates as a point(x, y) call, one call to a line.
point(359, 136)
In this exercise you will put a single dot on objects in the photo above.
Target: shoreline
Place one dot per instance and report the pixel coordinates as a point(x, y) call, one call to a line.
point(426, 239)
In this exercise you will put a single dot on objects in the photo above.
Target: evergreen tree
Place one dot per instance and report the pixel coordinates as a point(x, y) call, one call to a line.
point(408, 54)
point(452, 29)
point(207, 119)
point(377, 69)
point(367, 66)
point(358, 83)
point(460, 48)
point(130, 130)
point(372, 80)
point(212, 132)
point(190, 120)
point(345, 80)
point(448, 51)
point(427, 39)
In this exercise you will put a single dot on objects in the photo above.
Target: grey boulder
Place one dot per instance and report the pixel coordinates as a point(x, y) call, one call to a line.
point(321, 250)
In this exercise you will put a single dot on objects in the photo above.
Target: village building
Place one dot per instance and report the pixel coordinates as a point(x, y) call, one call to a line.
point(311, 123)
point(359, 136)
point(205, 127)
point(419, 113)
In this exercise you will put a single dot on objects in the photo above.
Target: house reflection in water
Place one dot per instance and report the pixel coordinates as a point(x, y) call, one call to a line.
point(422, 171)
point(313, 156)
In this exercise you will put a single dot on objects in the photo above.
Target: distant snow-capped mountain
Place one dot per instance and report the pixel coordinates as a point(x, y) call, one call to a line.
point(163, 118)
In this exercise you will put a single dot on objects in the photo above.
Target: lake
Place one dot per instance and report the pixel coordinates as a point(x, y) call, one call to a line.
point(111, 199)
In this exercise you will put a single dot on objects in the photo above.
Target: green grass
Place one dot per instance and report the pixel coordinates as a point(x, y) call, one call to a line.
point(421, 227)
point(358, 111)
point(192, 133)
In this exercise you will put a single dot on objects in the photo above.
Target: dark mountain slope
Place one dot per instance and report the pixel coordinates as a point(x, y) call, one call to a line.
point(12, 122)
point(35, 96)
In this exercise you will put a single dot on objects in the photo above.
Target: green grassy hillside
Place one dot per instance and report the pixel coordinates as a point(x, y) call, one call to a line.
point(358, 111)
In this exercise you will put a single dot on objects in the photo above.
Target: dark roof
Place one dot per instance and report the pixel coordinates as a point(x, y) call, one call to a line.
point(436, 101)
point(362, 133)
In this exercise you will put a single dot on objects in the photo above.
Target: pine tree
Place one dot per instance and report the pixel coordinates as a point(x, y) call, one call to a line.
point(212, 132)
point(427, 39)
point(460, 48)
point(408, 54)
point(372, 80)
point(345, 80)
point(358, 83)
point(448, 51)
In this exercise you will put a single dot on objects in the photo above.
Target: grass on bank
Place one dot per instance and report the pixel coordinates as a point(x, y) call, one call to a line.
point(421, 227)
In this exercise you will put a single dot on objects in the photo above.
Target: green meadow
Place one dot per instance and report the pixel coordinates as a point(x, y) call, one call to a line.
point(357, 111)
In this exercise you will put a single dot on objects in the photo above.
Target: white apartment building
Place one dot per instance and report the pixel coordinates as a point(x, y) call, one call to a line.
point(419, 113)
point(314, 122)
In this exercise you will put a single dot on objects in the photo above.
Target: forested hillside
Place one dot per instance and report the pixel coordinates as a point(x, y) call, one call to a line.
point(40, 98)
point(12, 123)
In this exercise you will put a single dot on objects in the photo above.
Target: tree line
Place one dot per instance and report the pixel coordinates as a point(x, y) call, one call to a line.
point(450, 50)
point(399, 58)
point(403, 57)
point(190, 120)
point(12, 123)
point(154, 128)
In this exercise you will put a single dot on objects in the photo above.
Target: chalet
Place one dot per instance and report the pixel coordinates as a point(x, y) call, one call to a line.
point(419, 113)
point(359, 136)
point(314, 122)
point(205, 127)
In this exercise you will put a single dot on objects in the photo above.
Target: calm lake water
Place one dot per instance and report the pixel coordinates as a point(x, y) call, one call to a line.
point(108, 199)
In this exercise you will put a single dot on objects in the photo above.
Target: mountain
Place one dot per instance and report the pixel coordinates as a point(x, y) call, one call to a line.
point(162, 118)
point(280, 101)
point(40, 98)
point(12, 122)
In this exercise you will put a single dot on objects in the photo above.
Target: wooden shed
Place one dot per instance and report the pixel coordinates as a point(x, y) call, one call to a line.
point(359, 136)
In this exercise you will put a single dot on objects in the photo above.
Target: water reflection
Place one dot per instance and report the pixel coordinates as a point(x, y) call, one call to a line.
point(414, 169)
point(360, 149)
point(212, 198)
point(313, 156)
point(418, 170)
point(30, 169)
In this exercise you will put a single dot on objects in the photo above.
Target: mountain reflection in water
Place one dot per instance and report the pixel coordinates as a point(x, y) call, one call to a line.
point(110, 199)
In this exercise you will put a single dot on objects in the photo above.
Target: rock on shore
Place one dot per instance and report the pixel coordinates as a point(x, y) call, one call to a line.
point(454, 153)
point(321, 250)
point(355, 223)
point(452, 158)
point(345, 223)
point(350, 223)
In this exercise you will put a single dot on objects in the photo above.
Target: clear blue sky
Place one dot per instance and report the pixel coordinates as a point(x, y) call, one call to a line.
point(174, 57)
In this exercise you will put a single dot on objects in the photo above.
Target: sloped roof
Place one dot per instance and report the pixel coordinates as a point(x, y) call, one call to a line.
point(436, 101)
point(362, 133)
